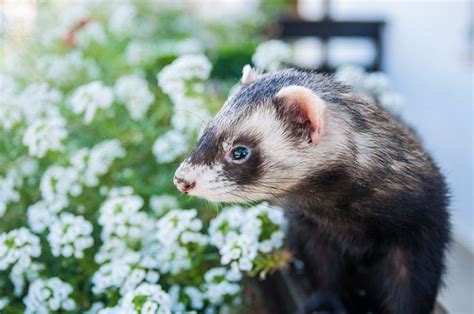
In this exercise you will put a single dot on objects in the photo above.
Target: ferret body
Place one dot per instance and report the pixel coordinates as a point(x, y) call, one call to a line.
point(359, 190)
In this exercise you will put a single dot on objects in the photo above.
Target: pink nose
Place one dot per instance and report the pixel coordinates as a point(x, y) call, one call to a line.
point(183, 185)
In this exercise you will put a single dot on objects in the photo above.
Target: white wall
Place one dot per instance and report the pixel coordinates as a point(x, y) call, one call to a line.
point(427, 58)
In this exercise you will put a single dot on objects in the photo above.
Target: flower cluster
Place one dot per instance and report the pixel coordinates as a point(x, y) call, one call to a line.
point(49, 295)
point(163, 203)
point(92, 163)
point(178, 232)
point(146, 298)
point(220, 282)
point(173, 79)
point(170, 146)
point(43, 213)
point(272, 55)
point(133, 91)
point(18, 246)
point(8, 193)
point(66, 70)
point(374, 85)
point(240, 234)
point(88, 98)
point(45, 135)
point(70, 235)
point(123, 272)
point(120, 218)
point(183, 81)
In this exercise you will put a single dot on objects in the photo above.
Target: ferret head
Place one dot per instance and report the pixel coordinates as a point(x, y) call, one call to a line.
point(271, 134)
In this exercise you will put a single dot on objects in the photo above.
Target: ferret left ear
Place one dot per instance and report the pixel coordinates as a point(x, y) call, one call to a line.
point(304, 107)
point(249, 75)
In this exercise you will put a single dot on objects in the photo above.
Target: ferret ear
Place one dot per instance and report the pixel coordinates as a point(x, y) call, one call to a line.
point(249, 75)
point(303, 106)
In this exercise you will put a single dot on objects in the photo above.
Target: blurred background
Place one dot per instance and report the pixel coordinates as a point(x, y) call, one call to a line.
point(425, 48)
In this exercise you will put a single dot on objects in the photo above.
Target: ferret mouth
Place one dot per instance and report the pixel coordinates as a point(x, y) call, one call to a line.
point(234, 196)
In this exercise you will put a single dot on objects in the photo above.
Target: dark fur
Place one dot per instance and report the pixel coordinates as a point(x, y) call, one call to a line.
point(390, 219)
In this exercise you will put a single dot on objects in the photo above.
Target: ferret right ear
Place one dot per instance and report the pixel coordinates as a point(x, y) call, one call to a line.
point(249, 75)
point(304, 108)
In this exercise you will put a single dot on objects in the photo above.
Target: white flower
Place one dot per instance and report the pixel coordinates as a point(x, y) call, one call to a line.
point(175, 293)
point(196, 297)
point(240, 234)
point(120, 218)
point(152, 299)
point(135, 277)
point(183, 80)
point(91, 33)
point(8, 85)
point(26, 166)
point(218, 285)
point(372, 86)
point(376, 83)
point(189, 118)
point(8, 194)
point(39, 101)
point(227, 12)
point(241, 249)
point(111, 249)
point(122, 19)
point(351, 75)
point(58, 182)
point(36, 101)
point(111, 310)
point(9, 113)
point(4, 302)
point(174, 77)
point(22, 272)
point(188, 46)
point(18, 246)
point(133, 91)
point(162, 203)
point(228, 222)
point(113, 274)
point(267, 224)
point(180, 226)
point(88, 98)
point(43, 213)
point(272, 55)
point(391, 101)
point(120, 191)
point(70, 235)
point(50, 295)
point(173, 258)
point(170, 146)
point(95, 308)
point(95, 162)
point(45, 135)
point(67, 69)
point(73, 15)
point(140, 53)
point(124, 273)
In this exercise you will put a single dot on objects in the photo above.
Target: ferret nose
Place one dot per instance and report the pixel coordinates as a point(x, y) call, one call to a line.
point(184, 185)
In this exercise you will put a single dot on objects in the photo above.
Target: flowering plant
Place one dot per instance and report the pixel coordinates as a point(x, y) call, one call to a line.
point(95, 112)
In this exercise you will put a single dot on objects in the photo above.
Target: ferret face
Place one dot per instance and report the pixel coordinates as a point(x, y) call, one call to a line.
point(260, 145)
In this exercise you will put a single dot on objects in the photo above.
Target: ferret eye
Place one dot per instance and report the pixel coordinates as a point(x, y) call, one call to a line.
point(239, 154)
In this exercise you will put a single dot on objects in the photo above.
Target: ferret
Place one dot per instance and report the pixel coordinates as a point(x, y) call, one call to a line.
point(359, 190)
